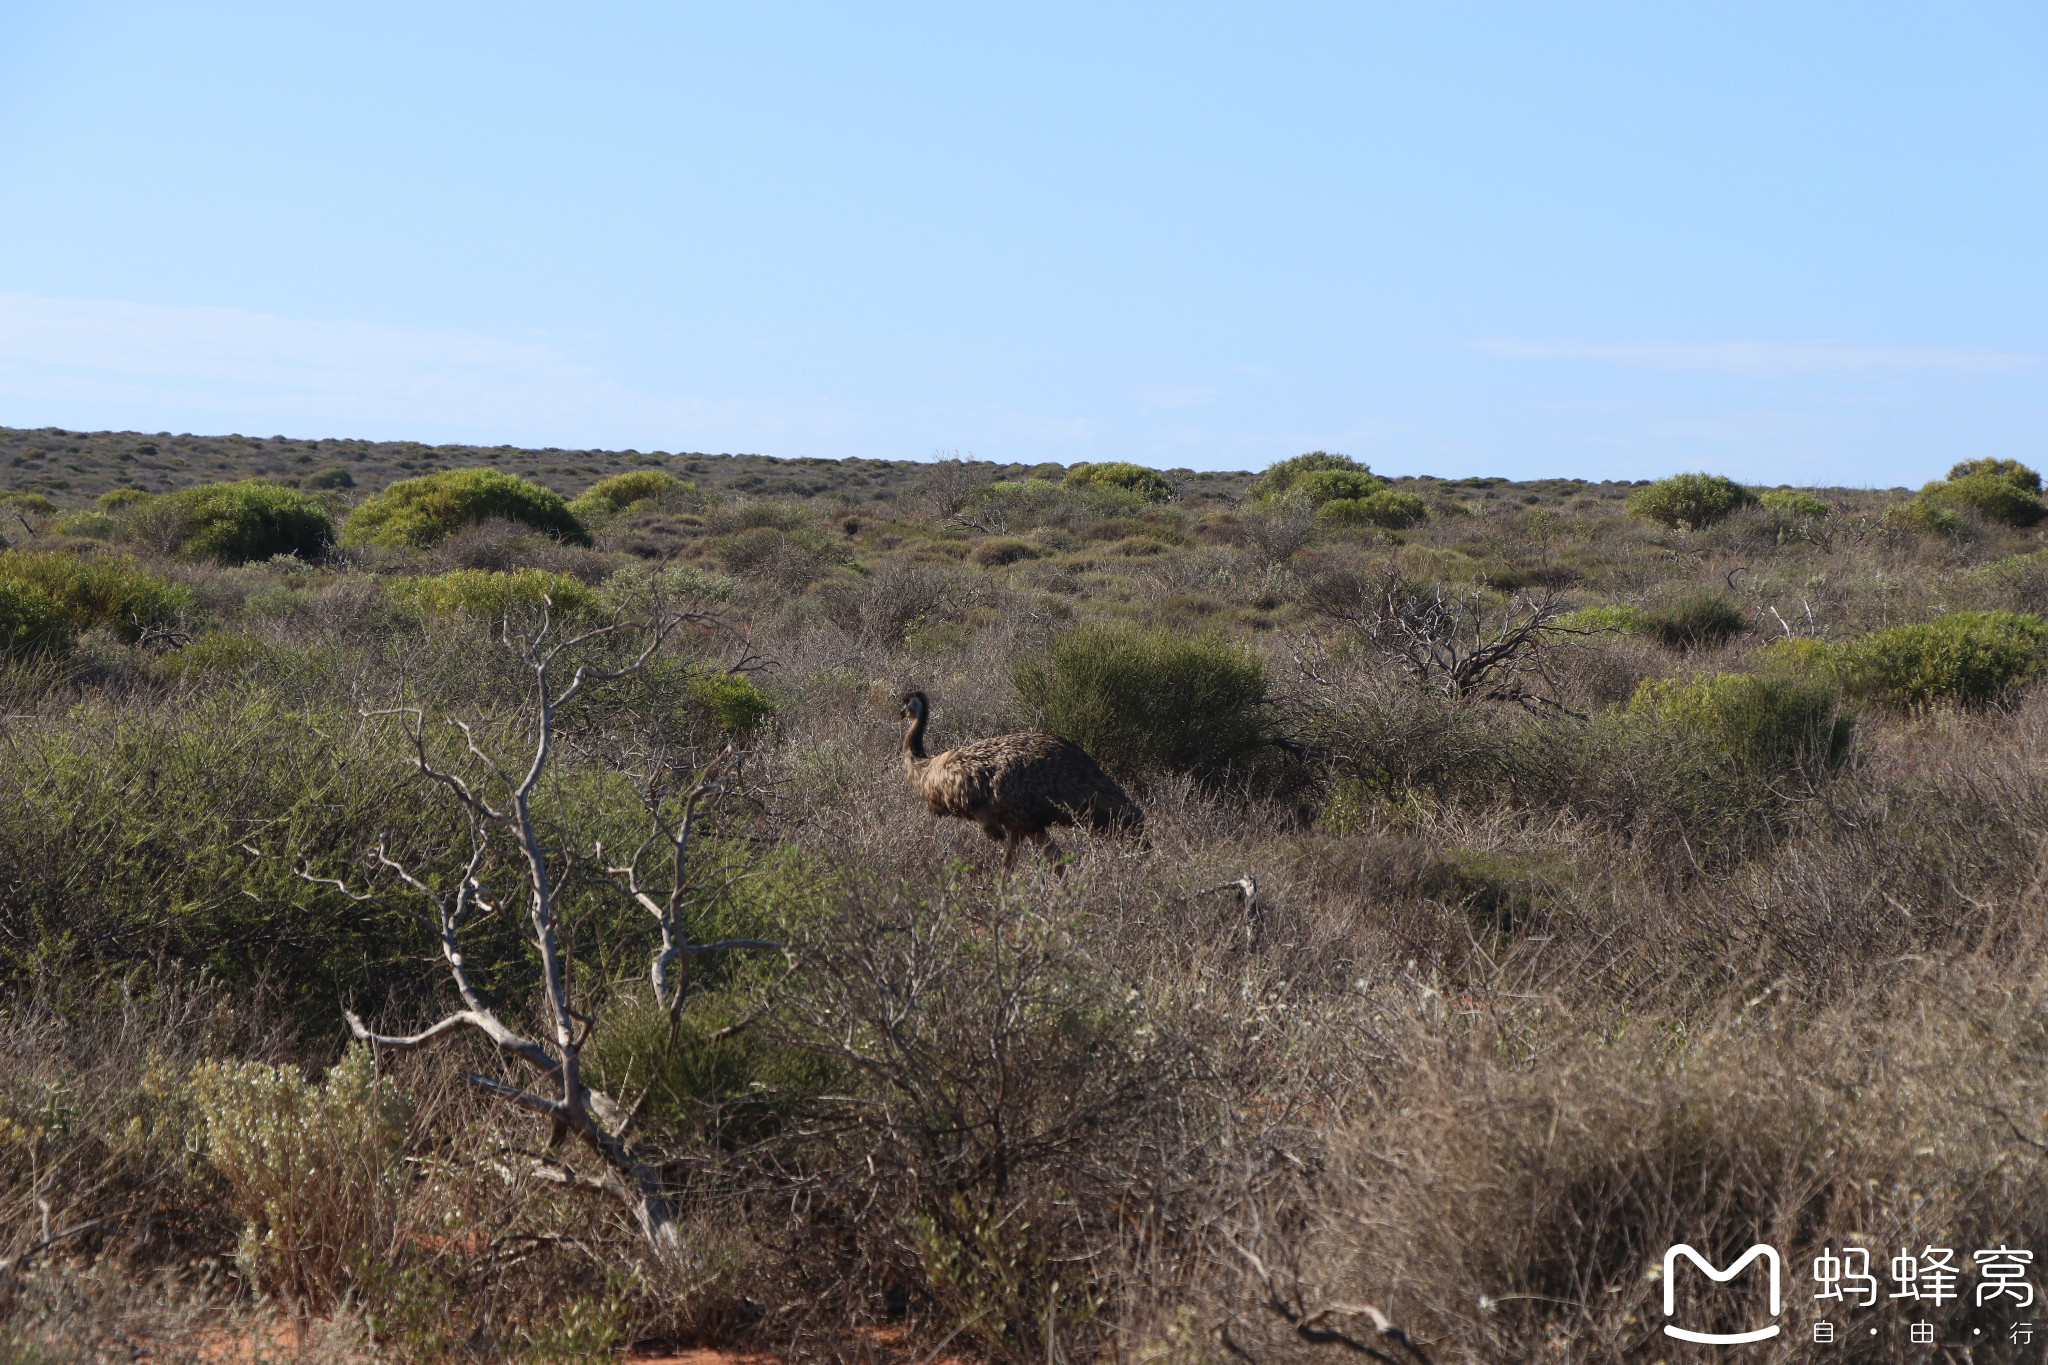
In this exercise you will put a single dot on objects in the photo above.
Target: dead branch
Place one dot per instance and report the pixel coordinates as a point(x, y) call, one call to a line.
point(1454, 642)
point(1311, 1325)
point(497, 800)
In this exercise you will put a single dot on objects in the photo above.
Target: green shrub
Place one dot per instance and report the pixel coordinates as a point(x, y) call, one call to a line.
point(1021, 488)
point(608, 497)
point(1332, 485)
point(1389, 509)
point(309, 1168)
point(1990, 497)
point(1618, 618)
point(1122, 475)
point(638, 587)
point(737, 1084)
point(101, 590)
point(218, 653)
point(334, 476)
point(1770, 723)
point(1688, 500)
point(30, 619)
point(1002, 550)
point(1792, 502)
point(1708, 619)
point(233, 523)
point(489, 594)
point(1968, 658)
point(731, 700)
point(1930, 516)
point(1282, 475)
point(2012, 471)
point(1145, 699)
point(416, 513)
point(88, 525)
point(29, 504)
point(121, 497)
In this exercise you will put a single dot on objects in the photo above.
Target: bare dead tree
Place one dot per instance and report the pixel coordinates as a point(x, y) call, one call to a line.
point(1275, 531)
point(948, 484)
point(497, 800)
point(1454, 642)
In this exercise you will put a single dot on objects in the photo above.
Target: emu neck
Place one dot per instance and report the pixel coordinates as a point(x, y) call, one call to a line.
point(913, 741)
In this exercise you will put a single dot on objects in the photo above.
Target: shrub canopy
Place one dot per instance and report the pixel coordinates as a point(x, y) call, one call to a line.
point(1792, 502)
point(609, 497)
point(1689, 500)
point(1968, 658)
point(1326, 485)
point(1769, 723)
point(1708, 619)
point(416, 513)
point(1149, 484)
point(1283, 475)
point(90, 525)
point(233, 523)
point(2012, 471)
point(27, 503)
point(1989, 496)
point(100, 590)
point(1388, 508)
point(488, 595)
point(1149, 699)
point(735, 704)
point(30, 619)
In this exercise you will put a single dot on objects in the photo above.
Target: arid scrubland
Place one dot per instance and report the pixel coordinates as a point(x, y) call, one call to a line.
point(1535, 875)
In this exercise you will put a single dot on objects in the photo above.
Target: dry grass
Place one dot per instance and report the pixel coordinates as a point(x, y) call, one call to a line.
point(1524, 996)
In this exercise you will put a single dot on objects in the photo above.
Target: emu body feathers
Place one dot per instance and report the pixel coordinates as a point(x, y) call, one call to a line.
point(1015, 787)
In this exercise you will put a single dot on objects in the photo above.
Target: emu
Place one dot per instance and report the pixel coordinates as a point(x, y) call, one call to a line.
point(1015, 787)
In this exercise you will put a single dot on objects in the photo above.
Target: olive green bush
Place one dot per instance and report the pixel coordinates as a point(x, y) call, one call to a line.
point(734, 702)
point(1792, 502)
point(88, 525)
point(1145, 700)
point(101, 590)
point(1689, 500)
point(1122, 476)
point(417, 513)
point(1283, 475)
point(2011, 471)
point(1000, 550)
point(1320, 486)
point(31, 619)
point(1388, 508)
point(620, 492)
point(1993, 498)
point(1618, 618)
point(1967, 658)
point(1768, 723)
point(489, 594)
point(234, 523)
point(1693, 622)
point(217, 654)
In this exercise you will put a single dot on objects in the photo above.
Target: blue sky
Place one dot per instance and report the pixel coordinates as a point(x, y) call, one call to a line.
point(1797, 243)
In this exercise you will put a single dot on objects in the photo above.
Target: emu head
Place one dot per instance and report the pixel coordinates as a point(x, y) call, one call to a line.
point(915, 707)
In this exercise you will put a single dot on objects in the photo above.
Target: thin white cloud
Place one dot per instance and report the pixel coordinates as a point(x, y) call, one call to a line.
point(1762, 357)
